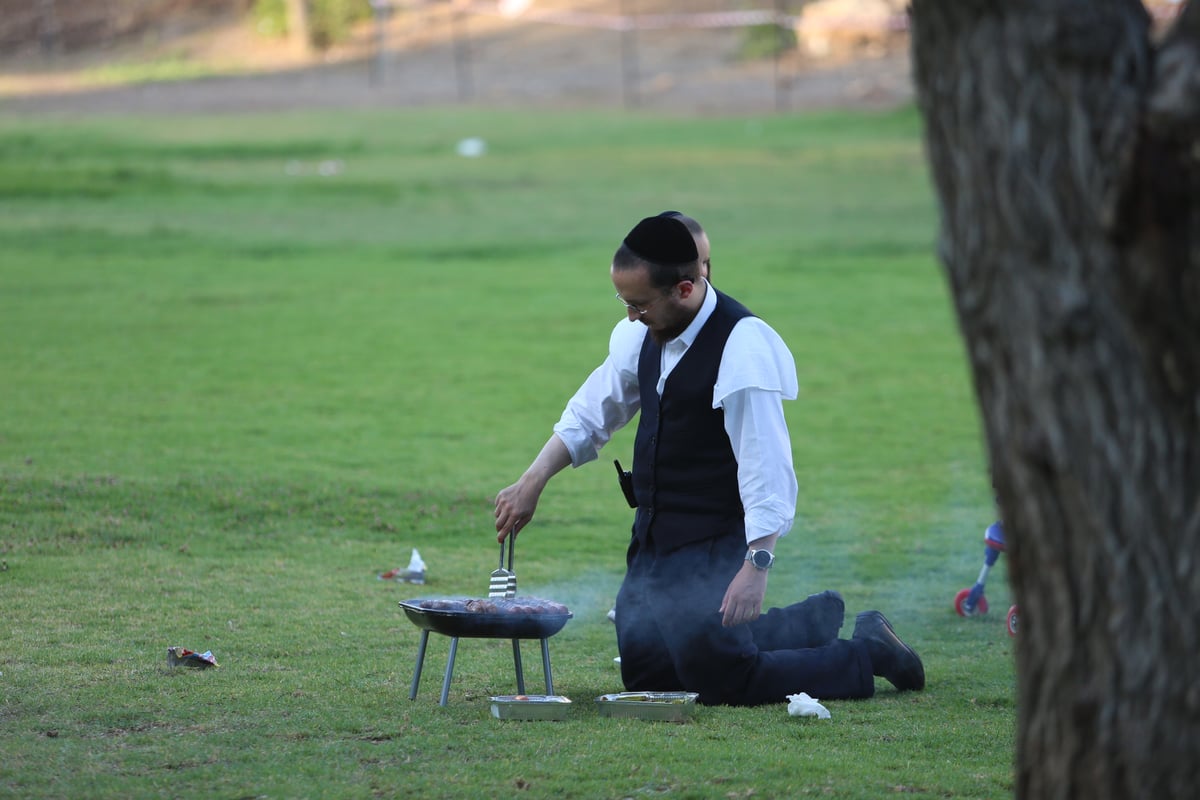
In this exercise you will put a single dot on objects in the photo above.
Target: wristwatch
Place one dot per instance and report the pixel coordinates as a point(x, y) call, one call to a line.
point(761, 559)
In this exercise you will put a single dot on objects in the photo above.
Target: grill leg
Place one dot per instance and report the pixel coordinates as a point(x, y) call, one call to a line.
point(517, 664)
point(449, 671)
point(546, 666)
point(412, 693)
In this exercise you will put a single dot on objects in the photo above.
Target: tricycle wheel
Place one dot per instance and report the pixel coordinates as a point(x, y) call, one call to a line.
point(960, 604)
point(1011, 622)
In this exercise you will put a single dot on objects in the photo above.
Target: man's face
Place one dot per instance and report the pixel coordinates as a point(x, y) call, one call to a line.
point(661, 310)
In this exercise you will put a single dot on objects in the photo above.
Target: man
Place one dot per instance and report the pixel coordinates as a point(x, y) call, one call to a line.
point(715, 489)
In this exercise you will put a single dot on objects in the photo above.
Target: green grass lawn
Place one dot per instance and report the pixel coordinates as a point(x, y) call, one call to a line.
point(247, 363)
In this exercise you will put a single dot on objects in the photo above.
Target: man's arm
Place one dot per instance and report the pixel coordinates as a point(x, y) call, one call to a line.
point(515, 504)
point(758, 433)
point(605, 402)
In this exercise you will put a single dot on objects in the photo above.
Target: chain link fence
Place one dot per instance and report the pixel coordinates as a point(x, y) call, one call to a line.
point(702, 55)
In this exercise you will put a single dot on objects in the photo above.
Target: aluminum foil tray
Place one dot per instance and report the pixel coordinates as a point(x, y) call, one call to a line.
point(654, 706)
point(530, 706)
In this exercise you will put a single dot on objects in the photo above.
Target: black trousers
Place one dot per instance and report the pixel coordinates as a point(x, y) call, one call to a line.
point(670, 636)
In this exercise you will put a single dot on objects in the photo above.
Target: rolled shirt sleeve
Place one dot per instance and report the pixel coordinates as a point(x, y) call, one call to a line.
point(757, 374)
point(607, 400)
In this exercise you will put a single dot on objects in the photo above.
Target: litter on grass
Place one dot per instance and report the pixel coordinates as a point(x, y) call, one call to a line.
point(413, 573)
point(472, 147)
point(801, 705)
point(182, 657)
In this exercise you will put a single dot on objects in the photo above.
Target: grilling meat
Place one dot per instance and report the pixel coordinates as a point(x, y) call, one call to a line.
point(496, 605)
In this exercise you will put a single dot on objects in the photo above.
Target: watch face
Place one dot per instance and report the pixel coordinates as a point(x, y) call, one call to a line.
point(762, 559)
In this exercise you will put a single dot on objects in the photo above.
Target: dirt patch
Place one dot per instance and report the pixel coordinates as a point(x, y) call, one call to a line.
point(433, 56)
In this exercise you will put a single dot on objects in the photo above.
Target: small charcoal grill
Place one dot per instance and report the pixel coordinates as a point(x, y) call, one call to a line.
point(479, 625)
point(451, 618)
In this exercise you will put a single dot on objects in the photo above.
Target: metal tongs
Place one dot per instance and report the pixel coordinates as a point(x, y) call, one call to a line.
point(504, 581)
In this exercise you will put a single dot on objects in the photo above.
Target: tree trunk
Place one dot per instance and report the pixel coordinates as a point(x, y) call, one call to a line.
point(298, 30)
point(1064, 149)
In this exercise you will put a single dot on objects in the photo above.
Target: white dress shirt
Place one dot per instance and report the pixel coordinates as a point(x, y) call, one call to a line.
point(756, 375)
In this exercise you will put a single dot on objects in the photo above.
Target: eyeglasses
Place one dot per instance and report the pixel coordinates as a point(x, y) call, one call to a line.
point(641, 310)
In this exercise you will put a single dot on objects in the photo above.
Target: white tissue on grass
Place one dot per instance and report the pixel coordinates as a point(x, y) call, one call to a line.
point(801, 705)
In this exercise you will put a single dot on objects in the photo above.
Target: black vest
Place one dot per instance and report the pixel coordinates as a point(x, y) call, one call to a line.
point(684, 471)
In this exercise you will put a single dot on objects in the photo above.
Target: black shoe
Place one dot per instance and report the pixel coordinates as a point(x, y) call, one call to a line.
point(890, 657)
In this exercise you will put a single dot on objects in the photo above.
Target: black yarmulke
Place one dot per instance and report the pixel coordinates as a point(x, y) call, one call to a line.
point(662, 240)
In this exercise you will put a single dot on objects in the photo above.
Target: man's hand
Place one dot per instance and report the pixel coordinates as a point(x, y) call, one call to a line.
point(744, 597)
point(515, 506)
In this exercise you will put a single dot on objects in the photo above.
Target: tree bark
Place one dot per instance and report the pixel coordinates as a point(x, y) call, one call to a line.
point(1063, 147)
point(298, 30)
